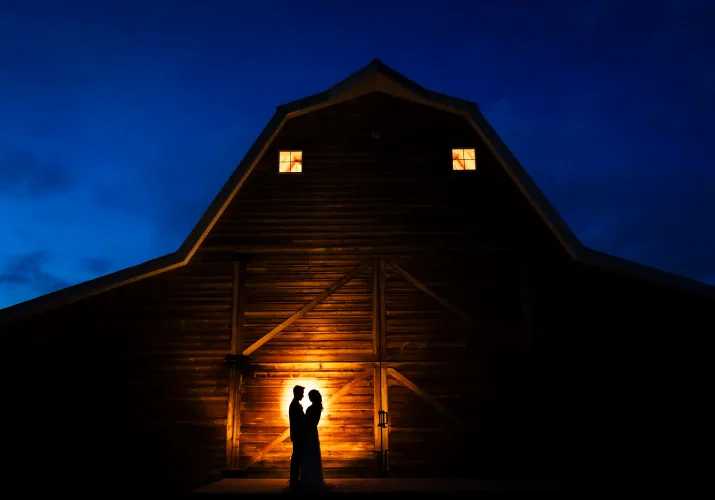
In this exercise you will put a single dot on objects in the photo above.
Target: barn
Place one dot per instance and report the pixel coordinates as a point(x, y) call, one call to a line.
point(378, 243)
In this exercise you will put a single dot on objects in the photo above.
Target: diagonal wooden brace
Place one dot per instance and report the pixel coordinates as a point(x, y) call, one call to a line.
point(414, 388)
point(432, 294)
point(305, 309)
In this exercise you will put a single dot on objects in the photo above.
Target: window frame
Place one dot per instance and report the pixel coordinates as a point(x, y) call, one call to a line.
point(291, 153)
point(465, 169)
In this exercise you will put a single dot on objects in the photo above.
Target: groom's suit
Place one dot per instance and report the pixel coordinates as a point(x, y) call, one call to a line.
point(297, 436)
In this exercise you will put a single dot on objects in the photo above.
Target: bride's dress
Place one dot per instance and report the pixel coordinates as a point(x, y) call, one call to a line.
point(312, 466)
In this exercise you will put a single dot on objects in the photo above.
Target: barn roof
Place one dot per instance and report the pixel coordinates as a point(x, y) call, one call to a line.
point(376, 76)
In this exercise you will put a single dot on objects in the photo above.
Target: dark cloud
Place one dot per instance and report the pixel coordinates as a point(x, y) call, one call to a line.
point(660, 219)
point(674, 234)
point(24, 174)
point(97, 266)
point(178, 219)
point(28, 269)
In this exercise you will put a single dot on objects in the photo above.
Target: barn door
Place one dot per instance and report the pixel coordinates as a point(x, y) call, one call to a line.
point(307, 322)
point(421, 388)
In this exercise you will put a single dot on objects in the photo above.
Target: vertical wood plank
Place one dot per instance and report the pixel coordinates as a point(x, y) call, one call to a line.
point(377, 351)
point(233, 417)
point(234, 306)
point(236, 419)
point(377, 404)
point(385, 431)
point(376, 307)
point(230, 424)
point(239, 323)
point(382, 321)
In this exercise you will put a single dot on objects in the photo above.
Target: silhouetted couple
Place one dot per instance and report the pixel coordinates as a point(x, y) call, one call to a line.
point(306, 465)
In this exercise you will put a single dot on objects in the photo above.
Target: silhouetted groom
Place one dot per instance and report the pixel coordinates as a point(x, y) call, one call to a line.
point(297, 434)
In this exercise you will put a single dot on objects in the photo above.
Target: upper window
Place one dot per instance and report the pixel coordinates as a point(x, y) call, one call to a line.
point(290, 162)
point(464, 159)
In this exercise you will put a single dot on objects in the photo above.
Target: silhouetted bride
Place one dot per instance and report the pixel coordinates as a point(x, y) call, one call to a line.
point(312, 464)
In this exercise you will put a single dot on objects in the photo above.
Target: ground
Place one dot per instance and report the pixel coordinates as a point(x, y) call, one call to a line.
point(260, 487)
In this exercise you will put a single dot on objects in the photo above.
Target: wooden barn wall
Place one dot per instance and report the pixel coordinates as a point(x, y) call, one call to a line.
point(129, 384)
point(395, 198)
point(337, 329)
point(357, 194)
point(468, 235)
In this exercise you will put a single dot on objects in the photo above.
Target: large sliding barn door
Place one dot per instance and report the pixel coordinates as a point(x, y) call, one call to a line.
point(308, 321)
point(397, 363)
point(425, 345)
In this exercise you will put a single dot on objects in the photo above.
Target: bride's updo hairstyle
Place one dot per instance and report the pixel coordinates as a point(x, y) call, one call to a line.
point(316, 398)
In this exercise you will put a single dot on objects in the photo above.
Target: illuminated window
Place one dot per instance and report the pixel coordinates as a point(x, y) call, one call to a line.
point(290, 162)
point(464, 159)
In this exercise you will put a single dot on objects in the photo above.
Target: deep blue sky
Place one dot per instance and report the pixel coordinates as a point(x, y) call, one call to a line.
point(120, 121)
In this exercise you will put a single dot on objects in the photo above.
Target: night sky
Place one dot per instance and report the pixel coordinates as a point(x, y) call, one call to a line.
point(120, 121)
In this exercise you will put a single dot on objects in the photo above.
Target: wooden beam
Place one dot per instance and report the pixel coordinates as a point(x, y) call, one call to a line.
point(305, 309)
point(384, 431)
point(397, 250)
point(233, 417)
point(296, 365)
point(377, 396)
point(414, 388)
point(336, 395)
point(432, 294)
point(376, 307)
point(238, 324)
point(382, 332)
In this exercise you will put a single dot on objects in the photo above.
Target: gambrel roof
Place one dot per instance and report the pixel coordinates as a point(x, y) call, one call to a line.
point(375, 77)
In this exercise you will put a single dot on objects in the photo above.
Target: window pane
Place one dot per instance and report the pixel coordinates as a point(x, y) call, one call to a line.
point(290, 161)
point(464, 159)
point(296, 161)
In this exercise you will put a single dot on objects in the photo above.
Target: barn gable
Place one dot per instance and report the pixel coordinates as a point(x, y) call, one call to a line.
point(375, 77)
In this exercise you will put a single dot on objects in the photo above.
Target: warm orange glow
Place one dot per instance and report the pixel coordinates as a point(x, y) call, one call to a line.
point(309, 385)
point(290, 162)
point(464, 159)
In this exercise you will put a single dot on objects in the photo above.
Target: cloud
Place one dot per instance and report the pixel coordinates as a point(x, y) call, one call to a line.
point(633, 195)
point(24, 174)
point(97, 266)
point(673, 233)
point(28, 269)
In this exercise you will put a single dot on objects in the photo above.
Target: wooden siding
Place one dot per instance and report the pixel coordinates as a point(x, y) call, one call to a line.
point(144, 360)
point(339, 328)
point(396, 193)
point(396, 199)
